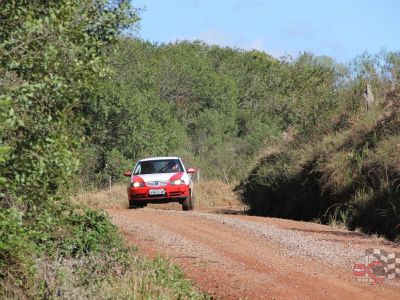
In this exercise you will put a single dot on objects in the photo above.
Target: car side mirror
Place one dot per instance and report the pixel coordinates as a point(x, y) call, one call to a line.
point(128, 173)
point(191, 170)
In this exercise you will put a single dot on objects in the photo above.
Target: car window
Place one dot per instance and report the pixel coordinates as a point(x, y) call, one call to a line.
point(158, 166)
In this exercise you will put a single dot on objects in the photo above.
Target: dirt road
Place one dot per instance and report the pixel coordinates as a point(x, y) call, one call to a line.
point(233, 256)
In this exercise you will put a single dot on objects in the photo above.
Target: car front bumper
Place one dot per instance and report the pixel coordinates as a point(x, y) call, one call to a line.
point(176, 193)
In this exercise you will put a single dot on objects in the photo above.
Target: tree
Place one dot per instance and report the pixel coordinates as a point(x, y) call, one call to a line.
point(50, 58)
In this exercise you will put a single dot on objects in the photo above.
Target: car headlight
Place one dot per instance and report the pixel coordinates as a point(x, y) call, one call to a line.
point(177, 182)
point(137, 184)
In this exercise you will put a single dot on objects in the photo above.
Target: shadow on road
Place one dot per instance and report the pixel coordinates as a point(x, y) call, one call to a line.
point(229, 211)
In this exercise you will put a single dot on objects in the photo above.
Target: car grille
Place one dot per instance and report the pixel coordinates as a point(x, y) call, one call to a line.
point(175, 194)
point(156, 183)
point(140, 196)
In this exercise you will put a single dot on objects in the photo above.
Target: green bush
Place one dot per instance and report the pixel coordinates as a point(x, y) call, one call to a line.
point(51, 58)
point(61, 232)
point(17, 251)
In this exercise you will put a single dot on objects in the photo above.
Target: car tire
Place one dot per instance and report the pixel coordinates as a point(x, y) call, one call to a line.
point(191, 201)
point(188, 203)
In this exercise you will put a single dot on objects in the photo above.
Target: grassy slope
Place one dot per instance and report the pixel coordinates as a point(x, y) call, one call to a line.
point(350, 174)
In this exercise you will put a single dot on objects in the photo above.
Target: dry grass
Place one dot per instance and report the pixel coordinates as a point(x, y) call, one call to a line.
point(114, 198)
point(208, 194)
point(141, 279)
point(215, 193)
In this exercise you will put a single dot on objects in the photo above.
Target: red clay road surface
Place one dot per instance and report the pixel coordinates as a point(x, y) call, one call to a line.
point(234, 256)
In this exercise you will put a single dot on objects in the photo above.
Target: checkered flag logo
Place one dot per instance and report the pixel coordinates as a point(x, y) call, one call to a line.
point(390, 261)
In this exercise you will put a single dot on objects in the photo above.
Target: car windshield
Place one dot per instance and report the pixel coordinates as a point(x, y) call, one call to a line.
point(158, 166)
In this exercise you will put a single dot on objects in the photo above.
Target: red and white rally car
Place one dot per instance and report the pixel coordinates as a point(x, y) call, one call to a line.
point(160, 180)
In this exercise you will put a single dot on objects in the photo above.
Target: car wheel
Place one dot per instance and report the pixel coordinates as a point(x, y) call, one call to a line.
point(188, 203)
point(191, 201)
point(185, 204)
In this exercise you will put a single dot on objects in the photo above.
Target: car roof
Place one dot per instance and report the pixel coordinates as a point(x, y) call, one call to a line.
point(160, 158)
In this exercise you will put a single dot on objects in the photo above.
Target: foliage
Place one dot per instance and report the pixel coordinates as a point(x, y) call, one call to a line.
point(16, 249)
point(53, 62)
point(69, 251)
point(50, 59)
point(51, 56)
point(72, 231)
point(95, 277)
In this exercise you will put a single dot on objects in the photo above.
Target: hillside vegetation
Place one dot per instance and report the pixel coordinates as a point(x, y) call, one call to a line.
point(347, 173)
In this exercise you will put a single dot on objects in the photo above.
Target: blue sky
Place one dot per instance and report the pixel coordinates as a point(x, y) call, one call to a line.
point(338, 28)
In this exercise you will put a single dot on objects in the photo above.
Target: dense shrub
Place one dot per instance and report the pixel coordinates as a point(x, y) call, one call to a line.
point(50, 60)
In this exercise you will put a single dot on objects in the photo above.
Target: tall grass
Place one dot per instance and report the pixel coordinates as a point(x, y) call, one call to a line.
point(350, 174)
point(139, 279)
point(103, 277)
